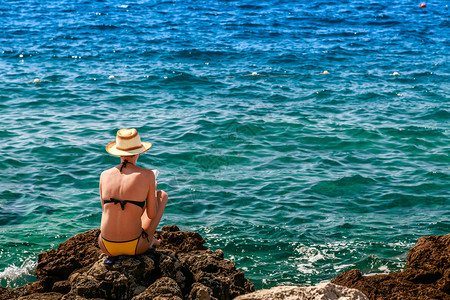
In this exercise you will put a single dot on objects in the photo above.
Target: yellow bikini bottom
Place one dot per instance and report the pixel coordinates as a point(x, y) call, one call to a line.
point(123, 248)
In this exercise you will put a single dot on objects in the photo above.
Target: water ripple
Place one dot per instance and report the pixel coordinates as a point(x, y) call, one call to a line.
point(304, 139)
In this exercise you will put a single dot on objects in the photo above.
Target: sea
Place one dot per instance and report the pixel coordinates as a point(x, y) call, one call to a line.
point(303, 138)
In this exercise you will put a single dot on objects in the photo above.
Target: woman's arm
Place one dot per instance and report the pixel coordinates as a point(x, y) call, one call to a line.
point(152, 206)
point(100, 190)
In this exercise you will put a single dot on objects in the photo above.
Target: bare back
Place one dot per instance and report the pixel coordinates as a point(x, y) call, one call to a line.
point(133, 183)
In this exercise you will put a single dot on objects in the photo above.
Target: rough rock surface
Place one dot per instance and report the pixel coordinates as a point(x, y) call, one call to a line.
point(75, 253)
point(181, 268)
point(163, 288)
point(324, 291)
point(427, 274)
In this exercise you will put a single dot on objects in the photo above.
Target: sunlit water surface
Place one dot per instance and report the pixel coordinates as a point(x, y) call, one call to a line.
point(296, 173)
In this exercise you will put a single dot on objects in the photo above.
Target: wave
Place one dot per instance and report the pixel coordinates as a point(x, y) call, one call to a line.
point(181, 80)
point(212, 162)
point(13, 275)
point(440, 114)
point(251, 7)
point(207, 55)
point(239, 117)
point(348, 185)
point(101, 27)
point(395, 200)
point(412, 131)
point(384, 23)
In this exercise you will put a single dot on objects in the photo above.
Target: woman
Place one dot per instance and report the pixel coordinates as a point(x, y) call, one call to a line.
point(131, 206)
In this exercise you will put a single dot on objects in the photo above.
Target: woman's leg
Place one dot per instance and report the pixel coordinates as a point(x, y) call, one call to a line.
point(150, 225)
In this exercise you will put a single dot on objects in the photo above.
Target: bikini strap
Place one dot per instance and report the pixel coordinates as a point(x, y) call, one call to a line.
point(116, 201)
point(122, 203)
point(124, 164)
point(145, 235)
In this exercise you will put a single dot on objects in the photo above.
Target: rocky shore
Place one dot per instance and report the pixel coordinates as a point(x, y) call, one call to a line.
point(183, 268)
point(427, 274)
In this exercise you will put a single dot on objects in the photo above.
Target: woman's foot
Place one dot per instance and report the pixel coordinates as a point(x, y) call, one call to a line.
point(110, 260)
point(155, 243)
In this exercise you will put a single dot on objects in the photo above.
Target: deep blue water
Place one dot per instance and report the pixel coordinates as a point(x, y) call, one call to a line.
point(303, 139)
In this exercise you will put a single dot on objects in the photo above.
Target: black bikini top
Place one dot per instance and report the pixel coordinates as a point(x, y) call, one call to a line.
point(122, 203)
point(124, 164)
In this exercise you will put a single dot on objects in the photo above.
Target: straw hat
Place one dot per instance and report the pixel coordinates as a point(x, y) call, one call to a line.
point(127, 143)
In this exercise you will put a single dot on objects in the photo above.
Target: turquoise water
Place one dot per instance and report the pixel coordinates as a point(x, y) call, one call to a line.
point(297, 175)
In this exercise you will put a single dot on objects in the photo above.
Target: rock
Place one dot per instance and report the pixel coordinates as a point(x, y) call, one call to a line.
point(427, 274)
point(201, 292)
point(77, 252)
point(43, 296)
point(122, 280)
point(73, 296)
point(27, 289)
point(320, 291)
point(180, 241)
point(430, 253)
point(210, 269)
point(163, 288)
point(182, 268)
point(75, 271)
point(62, 287)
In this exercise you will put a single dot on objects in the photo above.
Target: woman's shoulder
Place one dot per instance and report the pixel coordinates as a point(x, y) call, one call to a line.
point(146, 172)
point(107, 172)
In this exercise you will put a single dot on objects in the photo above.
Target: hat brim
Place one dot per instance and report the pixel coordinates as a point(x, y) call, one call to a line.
point(112, 149)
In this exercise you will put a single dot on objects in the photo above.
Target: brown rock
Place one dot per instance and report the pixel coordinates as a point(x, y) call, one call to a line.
point(43, 296)
point(76, 271)
point(200, 265)
point(209, 269)
point(73, 296)
point(62, 287)
point(427, 275)
point(123, 280)
point(180, 241)
point(163, 288)
point(171, 267)
point(430, 253)
point(201, 292)
point(27, 289)
point(77, 252)
point(320, 291)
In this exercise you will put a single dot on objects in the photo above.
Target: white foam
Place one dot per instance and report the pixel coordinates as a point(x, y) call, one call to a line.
point(307, 268)
point(308, 256)
point(384, 269)
point(13, 272)
point(339, 268)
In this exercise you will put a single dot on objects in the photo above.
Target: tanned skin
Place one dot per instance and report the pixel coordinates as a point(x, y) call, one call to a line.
point(137, 184)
